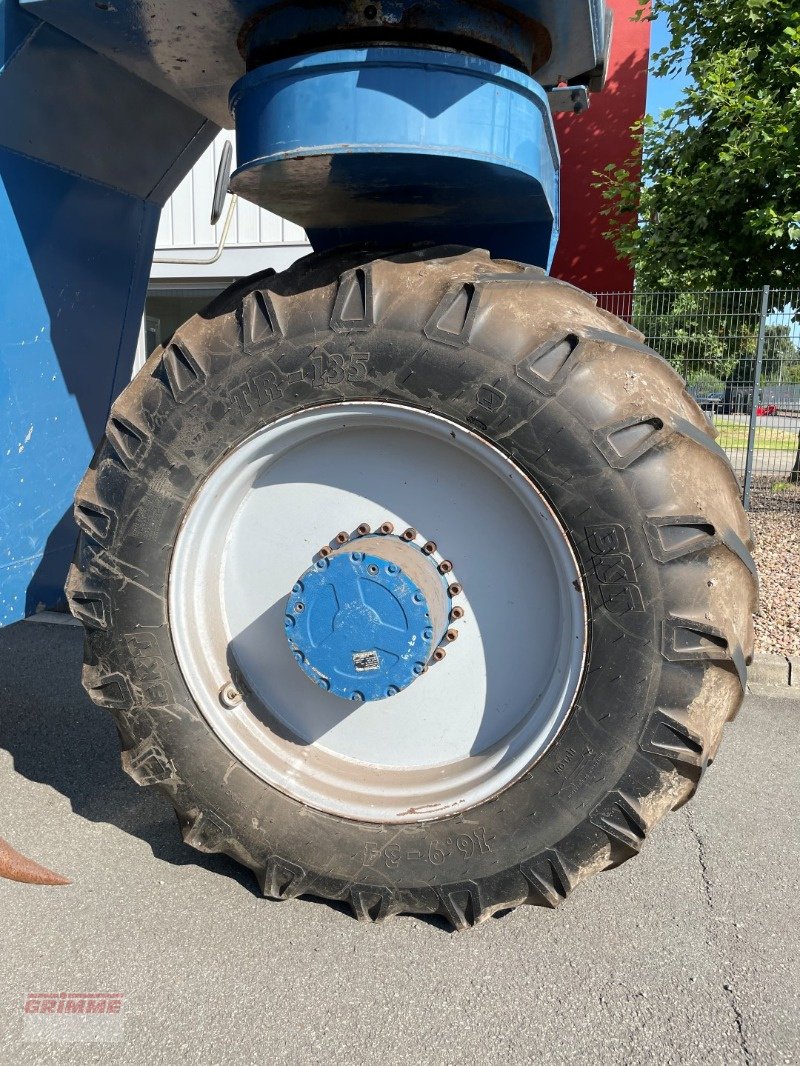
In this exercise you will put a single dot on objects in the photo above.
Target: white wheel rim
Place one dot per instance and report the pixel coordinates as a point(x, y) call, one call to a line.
point(470, 726)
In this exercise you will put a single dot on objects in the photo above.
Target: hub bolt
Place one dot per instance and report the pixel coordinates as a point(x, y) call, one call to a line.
point(451, 635)
point(439, 654)
point(456, 613)
point(230, 696)
point(387, 528)
point(445, 567)
point(429, 548)
point(455, 589)
point(410, 533)
point(325, 552)
point(364, 530)
point(342, 538)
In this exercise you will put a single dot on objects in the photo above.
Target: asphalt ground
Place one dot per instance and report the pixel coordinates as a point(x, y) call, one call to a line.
point(688, 954)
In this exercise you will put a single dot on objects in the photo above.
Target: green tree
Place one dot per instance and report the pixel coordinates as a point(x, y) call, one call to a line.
point(718, 205)
point(702, 335)
point(711, 338)
point(779, 356)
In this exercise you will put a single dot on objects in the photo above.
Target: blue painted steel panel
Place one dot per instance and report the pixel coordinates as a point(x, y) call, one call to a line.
point(189, 49)
point(87, 155)
point(109, 126)
point(74, 262)
point(400, 143)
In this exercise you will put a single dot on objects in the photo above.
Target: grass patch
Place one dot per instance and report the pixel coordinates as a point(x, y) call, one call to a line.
point(733, 437)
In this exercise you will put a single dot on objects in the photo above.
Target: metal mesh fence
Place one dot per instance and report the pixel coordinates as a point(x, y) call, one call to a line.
point(739, 352)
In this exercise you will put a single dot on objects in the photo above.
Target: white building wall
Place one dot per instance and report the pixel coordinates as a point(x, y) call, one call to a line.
point(258, 239)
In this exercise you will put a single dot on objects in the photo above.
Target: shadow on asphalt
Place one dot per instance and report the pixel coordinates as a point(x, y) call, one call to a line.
point(57, 737)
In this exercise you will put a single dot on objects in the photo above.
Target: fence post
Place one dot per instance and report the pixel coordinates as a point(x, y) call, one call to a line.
point(794, 474)
point(751, 436)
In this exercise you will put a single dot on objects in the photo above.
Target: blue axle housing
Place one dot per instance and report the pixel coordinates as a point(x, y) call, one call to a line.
point(389, 146)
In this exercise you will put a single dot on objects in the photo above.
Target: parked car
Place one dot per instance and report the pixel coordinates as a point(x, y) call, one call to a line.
point(738, 400)
point(711, 401)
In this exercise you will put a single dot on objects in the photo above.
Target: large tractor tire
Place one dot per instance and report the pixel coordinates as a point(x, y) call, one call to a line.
point(571, 499)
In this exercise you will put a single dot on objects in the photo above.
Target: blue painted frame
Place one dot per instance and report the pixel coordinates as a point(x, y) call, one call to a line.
point(88, 154)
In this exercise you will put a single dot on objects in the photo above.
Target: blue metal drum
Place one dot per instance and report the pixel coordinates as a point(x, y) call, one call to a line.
point(395, 145)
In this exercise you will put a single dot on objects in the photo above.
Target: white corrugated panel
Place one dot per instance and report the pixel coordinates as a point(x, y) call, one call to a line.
point(185, 224)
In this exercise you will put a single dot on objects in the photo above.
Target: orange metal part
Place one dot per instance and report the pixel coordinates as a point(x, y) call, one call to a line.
point(15, 867)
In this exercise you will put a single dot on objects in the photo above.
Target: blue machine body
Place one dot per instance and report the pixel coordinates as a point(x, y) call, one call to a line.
point(359, 627)
point(105, 107)
point(88, 155)
point(395, 145)
point(190, 49)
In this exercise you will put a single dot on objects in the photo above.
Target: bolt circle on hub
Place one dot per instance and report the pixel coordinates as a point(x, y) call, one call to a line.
point(363, 624)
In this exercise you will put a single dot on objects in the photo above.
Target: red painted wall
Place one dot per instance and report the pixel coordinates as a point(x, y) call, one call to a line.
point(588, 142)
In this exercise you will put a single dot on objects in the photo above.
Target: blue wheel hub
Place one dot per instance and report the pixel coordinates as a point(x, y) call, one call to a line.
point(364, 622)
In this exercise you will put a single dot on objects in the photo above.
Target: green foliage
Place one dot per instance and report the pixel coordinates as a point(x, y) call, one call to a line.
point(719, 206)
point(781, 355)
point(704, 382)
point(702, 335)
point(711, 338)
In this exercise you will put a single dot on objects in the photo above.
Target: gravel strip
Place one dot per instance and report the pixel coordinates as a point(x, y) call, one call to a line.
point(777, 556)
